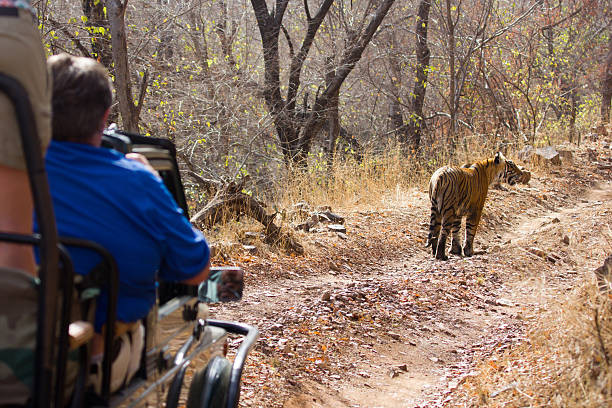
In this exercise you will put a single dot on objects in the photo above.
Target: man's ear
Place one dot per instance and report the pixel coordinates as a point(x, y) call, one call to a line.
point(102, 124)
point(96, 138)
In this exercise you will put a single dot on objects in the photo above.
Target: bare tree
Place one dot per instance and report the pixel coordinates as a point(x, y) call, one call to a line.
point(460, 59)
point(295, 130)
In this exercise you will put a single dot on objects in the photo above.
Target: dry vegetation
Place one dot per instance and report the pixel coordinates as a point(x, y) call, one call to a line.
point(548, 353)
point(563, 362)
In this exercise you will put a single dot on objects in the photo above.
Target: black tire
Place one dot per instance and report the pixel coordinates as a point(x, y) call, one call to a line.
point(209, 386)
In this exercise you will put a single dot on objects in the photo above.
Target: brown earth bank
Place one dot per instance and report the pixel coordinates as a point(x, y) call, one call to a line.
point(370, 319)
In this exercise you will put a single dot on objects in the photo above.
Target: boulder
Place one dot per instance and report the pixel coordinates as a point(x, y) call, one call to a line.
point(549, 154)
point(542, 155)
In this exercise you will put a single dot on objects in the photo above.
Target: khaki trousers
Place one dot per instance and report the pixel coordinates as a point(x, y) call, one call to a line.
point(23, 58)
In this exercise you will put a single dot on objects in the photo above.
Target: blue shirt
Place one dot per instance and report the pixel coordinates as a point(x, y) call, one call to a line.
point(101, 196)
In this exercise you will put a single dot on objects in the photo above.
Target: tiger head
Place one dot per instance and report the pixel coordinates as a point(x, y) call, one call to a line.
point(513, 174)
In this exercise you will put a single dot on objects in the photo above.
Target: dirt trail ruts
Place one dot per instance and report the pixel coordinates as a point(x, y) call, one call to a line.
point(425, 322)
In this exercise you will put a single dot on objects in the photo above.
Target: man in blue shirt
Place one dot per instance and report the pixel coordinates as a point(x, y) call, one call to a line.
point(115, 200)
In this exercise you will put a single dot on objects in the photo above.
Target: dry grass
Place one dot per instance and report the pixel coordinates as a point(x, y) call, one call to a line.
point(564, 363)
point(350, 184)
point(380, 178)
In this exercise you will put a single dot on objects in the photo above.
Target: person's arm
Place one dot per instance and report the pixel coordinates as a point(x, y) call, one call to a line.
point(185, 252)
point(16, 209)
point(201, 277)
point(137, 157)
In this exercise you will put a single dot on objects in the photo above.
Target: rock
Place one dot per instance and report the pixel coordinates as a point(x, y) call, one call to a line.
point(566, 240)
point(537, 252)
point(312, 222)
point(504, 302)
point(549, 154)
point(394, 336)
point(251, 249)
point(251, 236)
point(326, 297)
point(334, 266)
point(335, 218)
point(556, 220)
point(567, 157)
point(542, 155)
point(302, 205)
point(337, 228)
point(342, 235)
point(603, 275)
point(600, 129)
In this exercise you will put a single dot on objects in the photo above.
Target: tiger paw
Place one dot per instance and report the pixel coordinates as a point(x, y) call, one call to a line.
point(456, 250)
point(442, 257)
point(468, 251)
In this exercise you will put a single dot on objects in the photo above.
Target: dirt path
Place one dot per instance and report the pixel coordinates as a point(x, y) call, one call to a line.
point(376, 322)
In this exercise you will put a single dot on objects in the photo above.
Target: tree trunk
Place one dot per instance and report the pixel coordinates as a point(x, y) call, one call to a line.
point(200, 46)
point(351, 56)
point(100, 44)
point(416, 124)
point(606, 85)
point(396, 116)
point(123, 87)
point(452, 106)
point(333, 116)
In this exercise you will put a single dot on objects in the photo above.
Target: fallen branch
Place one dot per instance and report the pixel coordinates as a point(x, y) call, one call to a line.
point(210, 186)
point(229, 201)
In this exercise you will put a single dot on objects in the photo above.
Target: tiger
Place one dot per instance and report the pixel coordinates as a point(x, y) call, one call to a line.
point(457, 192)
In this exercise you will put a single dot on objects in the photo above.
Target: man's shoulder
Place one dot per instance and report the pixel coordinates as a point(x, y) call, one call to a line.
point(84, 161)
